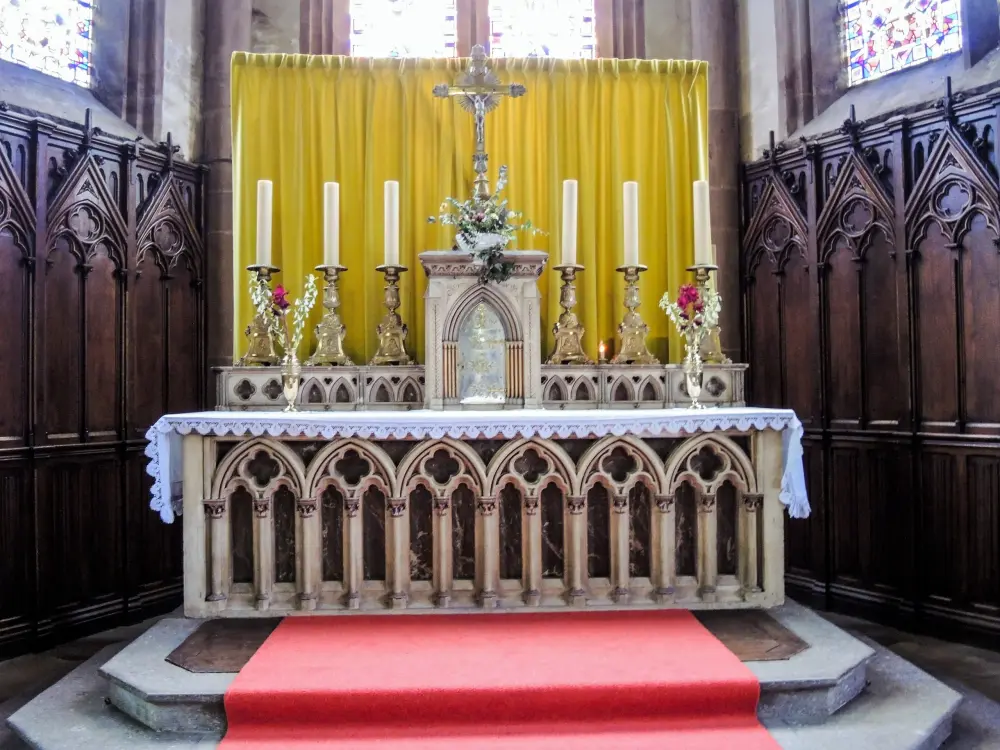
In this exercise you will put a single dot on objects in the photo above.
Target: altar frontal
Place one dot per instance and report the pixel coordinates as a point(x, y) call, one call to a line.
point(504, 470)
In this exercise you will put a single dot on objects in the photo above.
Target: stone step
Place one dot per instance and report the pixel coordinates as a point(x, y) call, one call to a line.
point(805, 688)
point(74, 714)
point(902, 708)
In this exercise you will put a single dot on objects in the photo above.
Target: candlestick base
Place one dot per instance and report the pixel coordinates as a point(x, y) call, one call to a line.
point(711, 344)
point(568, 331)
point(392, 330)
point(260, 351)
point(633, 330)
point(330, 331)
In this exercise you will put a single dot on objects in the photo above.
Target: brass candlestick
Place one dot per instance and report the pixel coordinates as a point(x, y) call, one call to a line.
point(392, 330)
point(632, 330)
point(711, 344)
point(330, 331)
point(261, 349)
point(568, 331)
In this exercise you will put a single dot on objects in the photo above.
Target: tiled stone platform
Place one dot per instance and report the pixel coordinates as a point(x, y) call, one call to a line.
point(813, 699)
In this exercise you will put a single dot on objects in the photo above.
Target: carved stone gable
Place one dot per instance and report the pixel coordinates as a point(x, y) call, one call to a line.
point(16, 214)
point(857, 207)
point(84, 212)
point(776, 227)
point(952, 190)
point(167, 232)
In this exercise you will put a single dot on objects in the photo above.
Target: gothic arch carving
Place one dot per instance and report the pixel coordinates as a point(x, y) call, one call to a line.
point(16, 214)
point(492, 296)
point(352, 466)
point(620, 463)
point(166, 232)
point(84, 213)
point(856, 209)
point(777, 228)
point(260, 467)
point(529, 465)
point(428, 463)
point(706, 463)
point(952, 190)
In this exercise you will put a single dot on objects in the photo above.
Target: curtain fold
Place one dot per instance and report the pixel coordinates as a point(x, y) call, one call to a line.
point(303, 120)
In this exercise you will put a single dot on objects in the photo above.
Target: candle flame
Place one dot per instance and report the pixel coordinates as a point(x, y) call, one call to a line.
point(601, 348)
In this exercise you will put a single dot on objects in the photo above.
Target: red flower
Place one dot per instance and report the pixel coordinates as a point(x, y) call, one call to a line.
point(281, 298)
point(688, 296)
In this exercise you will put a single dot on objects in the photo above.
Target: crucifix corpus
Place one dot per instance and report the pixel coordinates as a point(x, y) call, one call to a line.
point(479, 90)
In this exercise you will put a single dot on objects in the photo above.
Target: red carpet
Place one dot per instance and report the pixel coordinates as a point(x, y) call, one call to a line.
point(586, 680)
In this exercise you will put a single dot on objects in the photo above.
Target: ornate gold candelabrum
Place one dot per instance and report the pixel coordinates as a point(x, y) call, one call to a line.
point(711, 345)
point(261, 347)
point(330, 331)
point(568, 331)
point(633, 330)
point(392, 330)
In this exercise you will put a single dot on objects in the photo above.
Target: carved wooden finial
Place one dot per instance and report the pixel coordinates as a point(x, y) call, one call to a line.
point(852, 129)
point(169, 148)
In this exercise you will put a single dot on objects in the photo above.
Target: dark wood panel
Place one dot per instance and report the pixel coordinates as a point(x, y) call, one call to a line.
point(897, 225)
point(104, 305)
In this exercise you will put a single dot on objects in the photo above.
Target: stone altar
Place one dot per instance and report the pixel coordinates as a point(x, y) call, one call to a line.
point(479, 509)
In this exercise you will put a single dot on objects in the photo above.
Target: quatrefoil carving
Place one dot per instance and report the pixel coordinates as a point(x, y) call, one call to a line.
point(707, 464)
point(531, 466)
point(352, 467)
point(619, 464)
point(263, 468)
point(441, 466)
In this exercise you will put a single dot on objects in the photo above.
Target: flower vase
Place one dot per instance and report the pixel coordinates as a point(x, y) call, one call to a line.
point(290, 378)
point(693, 371)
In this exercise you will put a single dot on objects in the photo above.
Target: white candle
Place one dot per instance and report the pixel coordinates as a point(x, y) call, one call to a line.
point(392, 223)
point(265, 192)
point(331, 224)
point(702, 224)
point(631, 212)
point(569, 222)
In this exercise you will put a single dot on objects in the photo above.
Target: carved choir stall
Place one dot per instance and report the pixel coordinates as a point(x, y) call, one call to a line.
point(481, 478)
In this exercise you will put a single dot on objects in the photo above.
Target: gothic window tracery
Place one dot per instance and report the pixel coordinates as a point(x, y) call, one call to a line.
point(884, 36)
point(430, 28)
point(51, 36)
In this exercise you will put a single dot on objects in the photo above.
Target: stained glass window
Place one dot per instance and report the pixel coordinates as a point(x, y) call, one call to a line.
point(883, 37)
point(403, 28)
point(542, 28)
point(52, 36)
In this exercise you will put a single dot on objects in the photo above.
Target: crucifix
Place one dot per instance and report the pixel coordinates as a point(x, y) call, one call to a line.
point(479, 90)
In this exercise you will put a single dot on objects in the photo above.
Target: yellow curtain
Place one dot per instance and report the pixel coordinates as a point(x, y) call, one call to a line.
point(303, 120)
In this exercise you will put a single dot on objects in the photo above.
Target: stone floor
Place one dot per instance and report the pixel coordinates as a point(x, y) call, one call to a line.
point(972, 671)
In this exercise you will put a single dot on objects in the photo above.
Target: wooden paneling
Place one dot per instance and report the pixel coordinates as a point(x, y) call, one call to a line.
point(100, 292)
point(871, 300)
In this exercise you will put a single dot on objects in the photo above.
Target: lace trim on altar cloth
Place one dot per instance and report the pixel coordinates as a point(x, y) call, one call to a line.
point(165, 436)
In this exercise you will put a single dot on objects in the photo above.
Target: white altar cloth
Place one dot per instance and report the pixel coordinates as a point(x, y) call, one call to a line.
point(164, 449)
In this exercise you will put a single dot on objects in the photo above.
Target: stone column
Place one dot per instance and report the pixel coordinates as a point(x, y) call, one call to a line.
point(488, 550)
point(398, 536)
point(354, 570)
point(714, 30)
point(263, 557)
point(708, 555)
point(575, 550)
point(619, 549)
point(664, 549)
point(443, 572)
point(531, 544)
point(747, 534)
point(216, 511)
point(309, 551)
point(227, 30)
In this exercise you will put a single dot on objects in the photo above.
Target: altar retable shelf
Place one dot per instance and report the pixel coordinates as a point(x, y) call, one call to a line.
point(343, 511)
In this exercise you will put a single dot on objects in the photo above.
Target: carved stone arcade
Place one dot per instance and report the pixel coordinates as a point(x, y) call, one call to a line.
point(274, 526)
